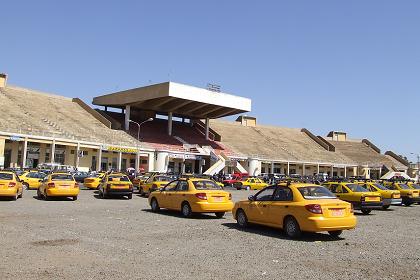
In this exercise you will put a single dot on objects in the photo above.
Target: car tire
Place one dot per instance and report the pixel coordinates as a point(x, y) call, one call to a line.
point(186, 210)
point(248, 188)
point(38, 194)
point(291, 227)
point(74, 198)
point(130, 196)
point(141, 192)
point(154, 205)
point(385, 207)
point(219, 214)
point(335, 233)
point(241, 218)
point(366, 211)
point(408, 203)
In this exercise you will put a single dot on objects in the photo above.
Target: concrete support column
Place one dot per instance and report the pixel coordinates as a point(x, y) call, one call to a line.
point(200, 168)
point(317, 169)
point(161, 163)
point(207, 128)
point(303, 169)
point(99, 159)
point(2, 145)
point(127, 117)
point(332, 170)
point(24, 152)
point(170, 114)
point(288, 168)
point(77, 159)
point(183, 167)
point(119, 160)
point(151, 162)
point(254, 168)
point(345, 172)
point(137, 162)
point(14, 159)
point(42, 150)
point(52, 156)
point(272, 167)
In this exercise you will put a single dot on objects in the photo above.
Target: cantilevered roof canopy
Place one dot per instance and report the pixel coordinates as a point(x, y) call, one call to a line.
point(181, 100)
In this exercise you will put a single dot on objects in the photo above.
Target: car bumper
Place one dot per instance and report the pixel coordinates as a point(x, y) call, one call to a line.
point(206, 207)
point(411, 199)
point(317, 224)
point(34, 187)
point(8, 192)
point(119, 191)
point(63, 192)
point(91, 185)
point(367, 205)
point(392, 201)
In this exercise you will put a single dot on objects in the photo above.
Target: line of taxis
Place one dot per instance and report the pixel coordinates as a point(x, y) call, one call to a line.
point(292, 206)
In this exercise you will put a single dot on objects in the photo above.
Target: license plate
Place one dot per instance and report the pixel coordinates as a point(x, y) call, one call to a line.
point(218, 198)
point(415, 195)
point(65, 187)
point(396, 196)
point(337, 212)
point(371, 198)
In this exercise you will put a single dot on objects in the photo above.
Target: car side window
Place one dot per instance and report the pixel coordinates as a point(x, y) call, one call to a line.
point(265, 195)
point(333, 187)
point(283, 194)
point(182, 186)
point(171, 186)
point(343, 189)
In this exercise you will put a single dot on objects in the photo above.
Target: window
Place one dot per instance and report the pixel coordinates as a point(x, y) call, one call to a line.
point(283, 194)
point(6, 176)
point(118, 178)
point(265, 195)
point(61, 177)
point(206, 185)
point(316, 192)
point(171, 186)
point(182, 186)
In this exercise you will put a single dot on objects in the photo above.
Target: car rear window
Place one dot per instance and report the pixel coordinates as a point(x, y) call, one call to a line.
point(404, 186)
point(6, 176)
point(356, 188)
point(162, 179)
point(379, 186)
point(206, 185)
point(316, 192)
point(61, 177)
point(118, 178)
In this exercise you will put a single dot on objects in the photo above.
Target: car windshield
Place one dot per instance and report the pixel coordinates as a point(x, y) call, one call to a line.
point(379, 186)
point(356, 188)
point(162, 179)
point(404, 186)
point(206, 185)
point(316, 192)
point(416, 186)
point(6, 176)
point(118, 178)
point(61, 177)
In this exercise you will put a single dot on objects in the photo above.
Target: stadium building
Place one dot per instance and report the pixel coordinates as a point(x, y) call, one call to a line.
point(171, 127)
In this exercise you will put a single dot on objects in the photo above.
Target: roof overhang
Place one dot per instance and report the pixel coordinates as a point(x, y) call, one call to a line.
point(181, 100)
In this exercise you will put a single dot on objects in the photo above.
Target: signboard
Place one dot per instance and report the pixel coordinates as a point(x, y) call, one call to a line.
point(16, 138)
point(184, 156)
point(119, 149)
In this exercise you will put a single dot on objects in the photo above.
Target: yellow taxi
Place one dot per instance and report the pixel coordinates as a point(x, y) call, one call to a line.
point(92, 182)
point(137, 181)
point(361, 198)
point(58, 185)
point(414, 186)
point(250, 183)
point(389, 197)
point(192, 195)
point(32, 180)
point(408, 195)
point(153, 183)
point(116, 184)
point(296, 208)
point(10, 185)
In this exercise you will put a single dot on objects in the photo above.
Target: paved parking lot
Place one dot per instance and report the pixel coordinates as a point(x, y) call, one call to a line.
point(119, 238)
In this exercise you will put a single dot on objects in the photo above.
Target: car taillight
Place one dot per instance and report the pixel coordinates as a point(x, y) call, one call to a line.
point(12, 184)
point(362, 198)
point(314, 208)
point(51, 185)
point(76, 185)
point(351, 208)
point(201, 196)
point(230, 196)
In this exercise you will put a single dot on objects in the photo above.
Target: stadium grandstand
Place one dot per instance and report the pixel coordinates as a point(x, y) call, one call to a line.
point(171, 127)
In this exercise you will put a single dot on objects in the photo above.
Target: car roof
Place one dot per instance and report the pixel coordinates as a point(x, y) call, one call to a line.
point(7, 172)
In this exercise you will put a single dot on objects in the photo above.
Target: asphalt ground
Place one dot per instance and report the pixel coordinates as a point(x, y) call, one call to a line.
point(93, 238)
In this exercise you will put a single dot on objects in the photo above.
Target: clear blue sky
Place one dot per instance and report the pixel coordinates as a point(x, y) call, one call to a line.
point(323, 65)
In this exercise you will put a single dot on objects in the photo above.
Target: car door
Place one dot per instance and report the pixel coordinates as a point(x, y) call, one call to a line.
point(258, 208)
point(281, 206)
point(180, 194)
point(166, 196)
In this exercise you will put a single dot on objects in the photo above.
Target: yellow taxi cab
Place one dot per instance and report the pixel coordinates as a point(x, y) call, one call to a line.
point(192, 195)
point(58, 185)
point(250, 183)
point(408, 195)
point(202, 176)
point(154, 183)
point(10, 185)
point(92, 182)
point(296, 208)
point(116, 184)
point(361, 198)
point(389, 197)
point(414, 186)
point(32, 180)
point(138, 180)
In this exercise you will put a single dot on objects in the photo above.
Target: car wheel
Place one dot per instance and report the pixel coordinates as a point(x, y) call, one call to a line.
point(74, 198)
point(186, 210)
point(292, 228)
point(407, 203)
point(141, 192)
point(335, 233)
point(241, 218)
point(220, 214)
point(366, 211)
point(154, 205)
point(385, 207)
point(38, 194)
point(130, 196)
point(26, 185)
point(248, 188)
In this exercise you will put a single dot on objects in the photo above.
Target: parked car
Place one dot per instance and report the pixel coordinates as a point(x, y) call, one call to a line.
point(10, 185)
point(58, 185)
point(116, 184)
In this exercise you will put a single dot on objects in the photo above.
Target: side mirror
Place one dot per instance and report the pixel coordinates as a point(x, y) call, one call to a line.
point(251, 198)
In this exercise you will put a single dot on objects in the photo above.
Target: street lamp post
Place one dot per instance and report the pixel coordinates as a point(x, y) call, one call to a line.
point(138, 140)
